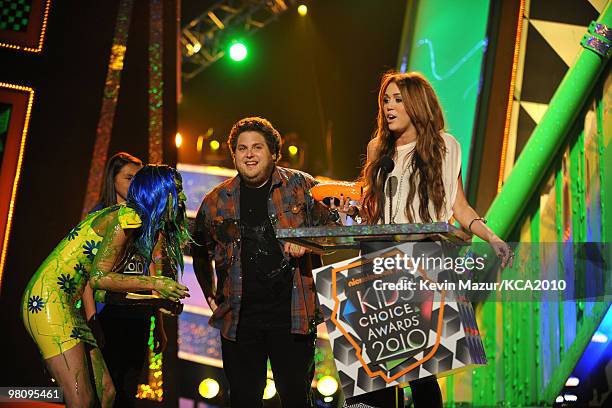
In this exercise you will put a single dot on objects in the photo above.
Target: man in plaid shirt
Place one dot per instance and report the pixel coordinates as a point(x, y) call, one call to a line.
point(263, 298)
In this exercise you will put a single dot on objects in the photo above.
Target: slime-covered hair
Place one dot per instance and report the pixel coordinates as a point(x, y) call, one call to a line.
point(156, 194)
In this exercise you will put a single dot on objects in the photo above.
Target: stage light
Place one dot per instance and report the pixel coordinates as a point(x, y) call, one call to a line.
point(570, 397)
point(214, 145)
point(209, 388)
point(572, 382)
point(293, 150)
point(216, 20)
point(302, 10)
point(178, 139)
point(559, 399)
point(270, 390)
point(200, 143)
point(599, 337)
point(238, 51)
point(191, 42)
point(328, 399)
point(193, 48)
point(327, 385)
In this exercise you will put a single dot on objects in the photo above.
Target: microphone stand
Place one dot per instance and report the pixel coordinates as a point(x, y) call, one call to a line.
point(386, 166)
point(389, 187)
point(385, 175)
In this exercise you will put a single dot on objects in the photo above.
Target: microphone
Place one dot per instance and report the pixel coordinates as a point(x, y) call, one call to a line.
point(387, 165)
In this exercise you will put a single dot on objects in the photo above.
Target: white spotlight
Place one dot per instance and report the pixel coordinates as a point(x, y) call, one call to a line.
point(572, 382)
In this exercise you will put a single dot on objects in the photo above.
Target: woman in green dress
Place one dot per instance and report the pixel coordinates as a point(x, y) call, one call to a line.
point(153, 218)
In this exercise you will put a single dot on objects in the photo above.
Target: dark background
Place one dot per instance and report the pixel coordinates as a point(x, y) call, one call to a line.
point(302, 73)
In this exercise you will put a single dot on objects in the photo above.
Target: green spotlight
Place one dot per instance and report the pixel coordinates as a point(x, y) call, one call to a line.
point(238, 51)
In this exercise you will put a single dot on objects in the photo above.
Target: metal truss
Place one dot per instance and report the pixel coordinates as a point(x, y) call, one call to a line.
point(205, 39)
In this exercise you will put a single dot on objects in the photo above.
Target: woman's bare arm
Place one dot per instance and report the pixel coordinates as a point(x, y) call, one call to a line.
point(102, 275)
point(470, 220)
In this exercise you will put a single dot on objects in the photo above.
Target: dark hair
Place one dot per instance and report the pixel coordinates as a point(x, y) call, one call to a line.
point(113, 167)
point(256, 124)
point(423, 108)
point(156, 194)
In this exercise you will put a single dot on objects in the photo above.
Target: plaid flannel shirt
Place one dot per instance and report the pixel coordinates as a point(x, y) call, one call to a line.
point(217, 238)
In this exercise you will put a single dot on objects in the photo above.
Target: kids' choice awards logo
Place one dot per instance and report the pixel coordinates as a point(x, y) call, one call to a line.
point(390, 323)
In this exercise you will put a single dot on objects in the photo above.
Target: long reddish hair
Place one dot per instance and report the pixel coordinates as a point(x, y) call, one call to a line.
point(426, 114)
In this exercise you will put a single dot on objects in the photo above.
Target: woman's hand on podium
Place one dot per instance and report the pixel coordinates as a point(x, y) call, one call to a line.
point(344, 206)
point(503, 251)
point(345, 209)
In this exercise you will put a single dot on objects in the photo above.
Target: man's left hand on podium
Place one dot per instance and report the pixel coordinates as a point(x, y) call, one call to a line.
point(294, 250)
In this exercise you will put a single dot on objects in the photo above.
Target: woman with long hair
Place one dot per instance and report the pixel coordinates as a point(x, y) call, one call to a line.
point(427, 163)
point(125, 355)
point(119, 172)
point(425, 183)
point(152, 218)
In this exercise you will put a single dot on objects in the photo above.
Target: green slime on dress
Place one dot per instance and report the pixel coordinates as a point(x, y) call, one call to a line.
point(49, 309)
